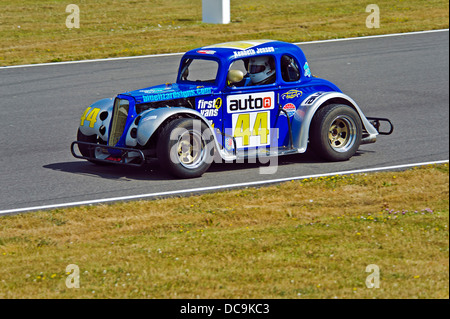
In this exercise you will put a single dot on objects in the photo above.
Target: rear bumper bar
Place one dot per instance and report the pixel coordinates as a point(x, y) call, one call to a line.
point(118, 155)
point(377, 122)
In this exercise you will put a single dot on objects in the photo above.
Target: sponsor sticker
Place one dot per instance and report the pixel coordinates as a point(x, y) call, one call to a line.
point(209, 108)
point(310, 99)
point(291, 94)
point(176, 95)
point(206, 51)
point(250, 102)
point(229, 143)
point(290, 109)
point(307, 70)
point(151, 91)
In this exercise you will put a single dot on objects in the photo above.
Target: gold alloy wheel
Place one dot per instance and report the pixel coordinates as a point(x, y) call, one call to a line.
point(190, 149)
point(342, 133)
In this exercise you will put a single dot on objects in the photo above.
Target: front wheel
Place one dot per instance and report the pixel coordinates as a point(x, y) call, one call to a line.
point(84, 150)
point(336, 132)
point(185, 148)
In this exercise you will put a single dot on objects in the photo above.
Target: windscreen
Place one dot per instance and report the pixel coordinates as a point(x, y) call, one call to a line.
point(198, 71)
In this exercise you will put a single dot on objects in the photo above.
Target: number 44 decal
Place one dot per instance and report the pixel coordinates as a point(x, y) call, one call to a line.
point(251, 129)
point(90, 115)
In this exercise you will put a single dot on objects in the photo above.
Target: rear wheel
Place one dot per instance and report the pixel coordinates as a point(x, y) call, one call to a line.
point(336, 132)
point(185, 148)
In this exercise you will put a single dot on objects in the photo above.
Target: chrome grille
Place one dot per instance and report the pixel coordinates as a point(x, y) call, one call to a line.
point(120, 114)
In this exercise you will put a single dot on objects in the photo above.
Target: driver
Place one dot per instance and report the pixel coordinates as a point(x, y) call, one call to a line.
point(261, 70)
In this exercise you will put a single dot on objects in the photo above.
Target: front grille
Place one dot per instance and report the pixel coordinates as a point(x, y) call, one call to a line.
point(119, 118)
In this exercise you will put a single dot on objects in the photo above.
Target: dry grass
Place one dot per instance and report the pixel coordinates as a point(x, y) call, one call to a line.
point(302, 239)
point(35, 31)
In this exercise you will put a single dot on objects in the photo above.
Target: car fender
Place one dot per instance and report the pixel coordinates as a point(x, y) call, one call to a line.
point(151, 120)
point(305, 112)
point(103, 110)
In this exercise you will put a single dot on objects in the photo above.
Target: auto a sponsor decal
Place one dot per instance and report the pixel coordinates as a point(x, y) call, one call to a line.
point(250, 102)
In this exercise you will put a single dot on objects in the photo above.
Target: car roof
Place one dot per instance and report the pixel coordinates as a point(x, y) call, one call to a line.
point(242, 49)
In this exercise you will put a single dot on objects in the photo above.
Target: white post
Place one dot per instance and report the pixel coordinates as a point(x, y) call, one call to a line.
point(216, 11)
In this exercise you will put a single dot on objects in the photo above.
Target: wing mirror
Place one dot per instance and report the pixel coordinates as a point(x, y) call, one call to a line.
point(235, 76)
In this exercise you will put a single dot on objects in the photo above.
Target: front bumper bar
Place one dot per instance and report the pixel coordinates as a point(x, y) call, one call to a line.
point(118, 155)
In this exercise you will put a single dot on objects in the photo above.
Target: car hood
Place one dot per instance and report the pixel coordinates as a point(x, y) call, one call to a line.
point(169, 91)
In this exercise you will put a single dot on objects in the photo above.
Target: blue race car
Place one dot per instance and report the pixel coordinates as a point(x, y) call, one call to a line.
point(235, 100)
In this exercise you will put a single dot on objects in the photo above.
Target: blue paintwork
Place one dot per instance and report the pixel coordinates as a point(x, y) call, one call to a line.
point(288, 95)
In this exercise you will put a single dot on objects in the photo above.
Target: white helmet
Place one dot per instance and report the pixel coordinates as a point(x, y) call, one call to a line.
point(259, 69)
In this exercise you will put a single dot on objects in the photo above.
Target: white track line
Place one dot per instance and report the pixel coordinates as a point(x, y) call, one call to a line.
point(213, 188)
point(180, 53)
point(373, 36)
point(94, 60)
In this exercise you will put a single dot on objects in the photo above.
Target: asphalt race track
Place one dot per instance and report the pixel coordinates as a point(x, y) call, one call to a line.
point(404, 78)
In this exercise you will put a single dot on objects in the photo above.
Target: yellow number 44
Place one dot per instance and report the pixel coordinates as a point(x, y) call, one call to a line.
point(90, 115)
point(243, 128)
point(260, 128)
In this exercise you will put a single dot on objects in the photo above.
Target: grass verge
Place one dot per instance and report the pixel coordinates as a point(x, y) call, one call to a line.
point(35, 31)
point(301, 239)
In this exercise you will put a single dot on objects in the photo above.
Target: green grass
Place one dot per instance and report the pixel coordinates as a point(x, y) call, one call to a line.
point(35, 31)
point(301, 239)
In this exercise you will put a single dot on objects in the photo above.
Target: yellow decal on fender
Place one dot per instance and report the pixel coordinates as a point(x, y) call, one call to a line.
point(90, 116)
point(238, 45)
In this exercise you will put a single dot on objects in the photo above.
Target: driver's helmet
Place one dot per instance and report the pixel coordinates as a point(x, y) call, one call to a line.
point(260, 69)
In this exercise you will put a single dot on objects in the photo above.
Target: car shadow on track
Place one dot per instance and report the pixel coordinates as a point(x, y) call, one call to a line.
point(307, 158)
point(153, 171)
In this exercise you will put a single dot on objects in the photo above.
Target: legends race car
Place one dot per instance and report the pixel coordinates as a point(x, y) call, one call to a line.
point(231, 101)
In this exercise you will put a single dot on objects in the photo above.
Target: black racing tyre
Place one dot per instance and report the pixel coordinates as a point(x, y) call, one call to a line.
point(335, 132)
point(185, 148)
point(84, 150)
